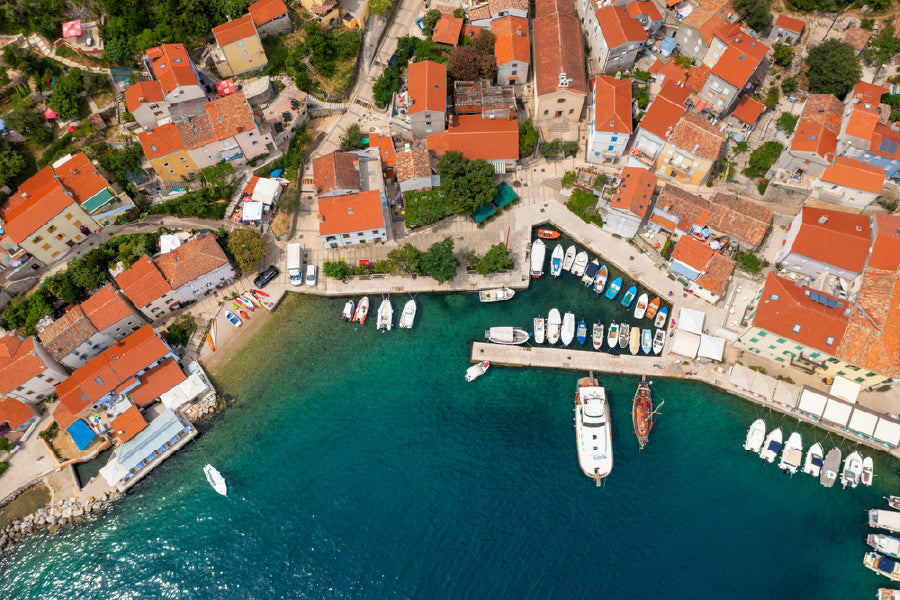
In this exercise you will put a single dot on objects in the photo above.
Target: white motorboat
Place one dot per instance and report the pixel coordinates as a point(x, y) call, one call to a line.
point(597, 336)
point(792, 455)
point(814, 457)
point(882, 566)
point(868, 472)
point(477, 370)
point(569, 258)
point(362, 310)
point(590, 273)
point(612, 335)
point(830, 468)
point(885, 519)
point(215, 479)
point(347, 315)
point(556, 260)
point(538, 250)
point(659, 341)
point(592, 430)
point(884, 544)
point(660, 321)
point(554, 324)
point(568, 329)
point(756, 435)
point(852, 471)
point(385, 315)
point(496, 295)
point(771, 446)
point(539, 330)
point(510, 336)
point(580, 264)
point(408, 316)
point(641, 309)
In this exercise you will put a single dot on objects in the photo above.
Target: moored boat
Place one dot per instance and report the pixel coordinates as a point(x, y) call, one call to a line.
point(660, 321)
point(496, 295)
point(659, 340)
point(830, 468)
point(347, 314)
point(538, 250)
point(813, 464)
point(539, 330)
point(756, 435)
point(477, 370)
point(885, 519)
point(868, 472)
point(556, 260)
point(852, 471)
point(884, 544)
point(362, 310)
point(634, 340)
point(882, 565)
point(580, 264)
point(408, 316)
point(628, 298)
point(887, 594)
point(569, 258)
point(792, 455)
point(554, 324)
point(653, 308)
point(507, 335)
point(385, 315)
point(624, 334)
point(597, 336)
point(771, 446)
point(593, 429)
point(590, 273)
point(548, 234)
point(215, 479)
point(640, 309)
point(646, 341)
point(642, 414)
point(893, 501)
point(600, 281)
point(568, 329)
point(612, 336)
point(614, 286)
point(581, 332)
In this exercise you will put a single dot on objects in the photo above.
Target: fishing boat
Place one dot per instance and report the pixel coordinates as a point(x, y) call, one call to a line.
point(385, 315)
point(590, 273)
point(885, 519)
point(756, 435)
point(581, 332)
point(628, 298)
point(634, 340)
point(830, 468)
point(509, 336)
point(259, 293)
point(538, 249)
point(548, 234)
point(640, 308)
point(408, 316)
point(792, 455)
point(569, 258)
point(592, 429)
point(362, 310)
point(347, 313)
point(612, 337)
point(660, 321)
point(624, 334)
point(600, 281)
point(882, 565)
point(597, 336)
point(539, 330)
point(813, 464)
point(893, 501)
point(659, 340)
point(556, 260)
point(887, 594)
point(496, 295)
point(614, 286)
point(852, 470)
point(554, 322)
point(643, 416)
point(884, 544)
point(771, 445)
point(580, 264)
point(477, 370)
point(215, 479)
point(232, 318)
point(868, 472)
point(646, 341)
point(653, 308)
point(568, 329)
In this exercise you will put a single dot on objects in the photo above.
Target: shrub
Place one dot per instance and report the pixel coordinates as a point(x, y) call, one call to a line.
point(335, 269)
point(789, 85)
point(495, 260)
point(888, 202)
point(528, 137)
point(568, 179)
point(584, 204)
point(179, 332)
point(667, 249)
point(570, 148)
point(762, 186)
point(762, 159)
point(783, 55)
point(247, 247)
point(787, 121)
point(425, 207)
point(749, 261)
point(550, 150)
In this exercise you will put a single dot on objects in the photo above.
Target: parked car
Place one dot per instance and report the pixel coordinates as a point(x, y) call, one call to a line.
point(311, 275)
point(266, 276)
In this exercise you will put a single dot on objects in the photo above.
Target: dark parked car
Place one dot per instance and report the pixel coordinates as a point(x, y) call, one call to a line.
point(266, 276)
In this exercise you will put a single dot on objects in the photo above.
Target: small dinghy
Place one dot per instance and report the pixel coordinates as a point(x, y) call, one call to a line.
point(509, 336)
point(580, 264)
point(600, 281)
point(476, 371)
point(548, 234)
point(624, 335)
point(347, 315)
point(554, 323)
point(646, 341)
point(362, 310)
point(568, 329)
point(496, 295)
point(660, 321)
point(539, 330)
point(653, 308)
point(814, 457)
point(612, 337)
point(569, 258)
point(614, 286)
point(641, 308)
point(590, 273)
point(868, 472)
point(556, 261)
point(771, 446)
point(852, 472)
point(385, 316)
point(408, 316)
point(628, 298)
point(756, 435)
point(215, 479)
point(581, 332)
point(232, 318)
point(792, 455)
point(634, 341)
point(659, 341)
point(597, 336)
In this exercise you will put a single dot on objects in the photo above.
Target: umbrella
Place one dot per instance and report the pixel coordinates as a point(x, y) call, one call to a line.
point(224, 88)
point(236, 217)
point(71, 29)
point(71, 128)
point(50, 113)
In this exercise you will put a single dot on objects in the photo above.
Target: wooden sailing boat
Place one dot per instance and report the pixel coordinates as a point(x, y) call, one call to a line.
point(643, 416)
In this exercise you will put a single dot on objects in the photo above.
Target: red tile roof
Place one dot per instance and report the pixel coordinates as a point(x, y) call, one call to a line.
point(634, 191)
point(697, 77)
point(612, 109)
point(789, 23)
point(691, 210)
point(868, 93)
point(15, 413)
point(230, 115)
point(748, 110)
point(197, 132)
point(191, 261)
point(171, 65)
point(26, 214)
point(128, 424)
point(233, 31)
point(857, 37)
point(618, 29)
point(741, 219)
point(427, 87)
point(334, 171)
point(556, 50)
point(264, 11)
point(669, 72)
point(692, 252)
point(666, 110)
point(855, 174)
point(695, 135)
point(142, 282)
point(489, 139)
point(498, 6)
point(823, 109)
point(66, 333)
point(833, 237)
point(413, 164)
point(447, 30)
point(349, 213)
point(511, 40)
point(546, 8)
point(818, 139)
point(861, 123)
point(385, 147)
point(80, 177)
point(158, 380)
point(716, 275)
point(161, 141)
point(708, 18)
point(63, 417)
point(885, 141)
point(872, 338)
point(106, 307)
point(740, 60)
point(143, 92)
point(22, 365)
point(643, 7)
point(885, 254)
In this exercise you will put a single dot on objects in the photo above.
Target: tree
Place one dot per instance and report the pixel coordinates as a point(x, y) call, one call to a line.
point(787, 121)
point(406, 48)
point(550, 150)
point(783, 55)
point(833, 68)
point(881, 48)
point(22, 120)
point(528, 138)
point(62, 287)
point(789, 85)
point(570, 148)
point(379, 7)
point(64, 98)
point(407, 259)
point(91, 270)
point(762, 159)
point(247, 247)
point(497, 259)
point(335, 269)
point(467, 184)
point(11, 164)
point(755, 12)
point(439, 262)
point(430, 20)
point(352, 138)
point(387, 84)
point(468, 63)
point(179, 333)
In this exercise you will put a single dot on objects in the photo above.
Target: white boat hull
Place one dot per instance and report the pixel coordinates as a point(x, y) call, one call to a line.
point(408, 317)
point(215, 479)
point(814, 458)
point(593, 432)
point(792, 455)
point(771, 446)
point(539, 330)
point(554, 324)
point(385, 315)
point(756, 435)
point(538, 252)
point(568, 329)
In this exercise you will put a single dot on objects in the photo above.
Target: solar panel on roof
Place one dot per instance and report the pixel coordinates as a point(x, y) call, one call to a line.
point(888, 146)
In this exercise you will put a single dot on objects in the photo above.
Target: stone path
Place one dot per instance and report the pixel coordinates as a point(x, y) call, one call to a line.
point(37, 42)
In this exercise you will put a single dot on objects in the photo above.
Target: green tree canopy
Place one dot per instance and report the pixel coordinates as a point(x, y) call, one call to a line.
point(528, 137)
point(495, 260)
point(352, 138)
point(787, 121)
point(379, 7)
point(471, 62)
point(467, 184)
point(11, 164)
point(64, 98)
point(430, 20)
point(407, 259)
point(833, 68)
point(247, 247)
point(756, 14)
point(439, 262)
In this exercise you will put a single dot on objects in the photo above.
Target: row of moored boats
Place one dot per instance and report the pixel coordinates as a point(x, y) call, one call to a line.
point(357, 313)
point(563, 329)
point(885, 557)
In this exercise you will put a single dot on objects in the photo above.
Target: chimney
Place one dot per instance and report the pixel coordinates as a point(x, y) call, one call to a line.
point(823, 219)
point(321, 218)
point(696, 147)
point(406, 147)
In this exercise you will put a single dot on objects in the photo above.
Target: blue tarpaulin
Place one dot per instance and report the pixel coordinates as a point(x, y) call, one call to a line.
point(505, 195)
point(81, 434)
point(667, 46)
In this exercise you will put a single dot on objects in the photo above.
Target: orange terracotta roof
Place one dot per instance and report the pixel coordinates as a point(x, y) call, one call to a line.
point(80, 177)
point(748, 110)
point(334, 171)
point(618, 29)
point(669, 72)
point(612, 108)
point(635, 191)
point(470, 31)
point(643, 7)
point(789, 23)
point(39, 184)
point(741, 219)
point(511, 40)
point(692, 252)
point(233, 31)
point(816, 138)
point(161, 141)
point(557, 51)
point(855, 174)
point(191, 261)
point(385, 147)
point(427, 87)
point(230, 115)
point(106, 307)
point(833, 237)
point(480, 13)
point(143, 92)
point(264, 11)
point(32, 212)
point(63, 417)
point(695, 135)
point(197, 132)
point(474, 137)
point(697, 77)
point(15, 413)
point(9, 345)
point(142, 282)
point(171, 65)
point(872, 338)
point(740, 60)
point(666, 110)
point(20, 367)
point(546, 8)
point(868, 94)
point(349, 213)
point(158, 380)
point(128, 424)
point(885, 252)
point(413, 164)
point(885, 141)
point(66, 333)
point(690, 209)
point(716, 275)
point(498, 6)
point(823, 109)
point(666, 223)
point(447, 30)
point(857, 37)
point(861, 123)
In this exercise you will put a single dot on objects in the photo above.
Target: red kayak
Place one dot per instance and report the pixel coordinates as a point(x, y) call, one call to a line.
point(262, 293)
point(548, 234)
point(244, 315)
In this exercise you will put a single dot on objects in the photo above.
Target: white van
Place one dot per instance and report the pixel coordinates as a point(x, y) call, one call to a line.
point(295, 263)
point(311, 272)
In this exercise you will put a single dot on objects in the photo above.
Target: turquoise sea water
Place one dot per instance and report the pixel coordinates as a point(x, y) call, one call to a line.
point(361, 465)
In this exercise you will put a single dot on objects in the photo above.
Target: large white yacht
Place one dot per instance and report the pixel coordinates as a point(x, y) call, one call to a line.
point(593, 429)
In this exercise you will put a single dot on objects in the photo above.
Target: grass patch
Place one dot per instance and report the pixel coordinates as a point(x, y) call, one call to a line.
point(749, 261)
point(584, 204)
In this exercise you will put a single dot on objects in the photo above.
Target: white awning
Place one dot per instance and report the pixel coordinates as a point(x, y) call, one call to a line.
point(691, 320)
point(711, 347)
point(845, 388)
point(837, 412)
point(252, 211)
point(685, 343)
point(184, 392)
point(887, 431)
point(862, 421)
point(113, 471)
point(266, 191)
point(812, 402)
point(740, 377)
point(786, 394)
point(168, 242)
point(763, 386)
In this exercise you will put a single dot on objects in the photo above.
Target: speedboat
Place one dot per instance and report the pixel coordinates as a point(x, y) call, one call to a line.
point(893, 501)
point(580, 264)
point(232, 318)
point(882, 566)
point(830, 468)
point(581, 332)
point(600, 281)
point(554, 322)
point(646, 341)
point(628, 298)
point(624, 335)
point(884, 544)
point(538, 250)
point(660, 322)
point(347, 315)
point(852, 471)
point(614, 286)
point(477, 370)
point(556, 260)
point(496, 295)
point(612, 336)
point(634, 341)
point(568, 329)
point(642, 413)
point(215, 479)
point(868, 472)
point(539, 330)
point(597, 336)
point(659, 340)
point(590, 273)
point(548, 234)
point(755, 436)
point(771, 445)
point(569, 258)
point(408, 316)
point(592, 430)
point(653, 308)
point(362, 310)
point(385, 315)
point(813, 464)
point(792, 455)
point(641, 308)
point(509, 336)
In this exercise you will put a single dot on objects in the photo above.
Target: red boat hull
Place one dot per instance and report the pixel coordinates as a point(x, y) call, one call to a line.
point(548, 234)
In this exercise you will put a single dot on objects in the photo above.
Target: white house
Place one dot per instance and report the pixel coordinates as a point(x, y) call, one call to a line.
point(352, 219)
point(196, 268)
point(826, 241)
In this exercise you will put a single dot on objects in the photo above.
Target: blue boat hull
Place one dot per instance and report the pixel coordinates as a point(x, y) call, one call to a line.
point(614, 287)
point(581, 334)
point(629, 296)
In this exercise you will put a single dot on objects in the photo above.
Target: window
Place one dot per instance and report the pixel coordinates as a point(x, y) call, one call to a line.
point(165, 164)
point(753, 340)
point(46, 246)
point(171, 172)
point(253, 143)
point(611, 149)
point(60, 236)
point(571, 110)
point(346, 236)
point(51, 229)
point(829, 341)
point(841, 373)
point(54, 254)
point(182, 159)
point(546, 112)
point(614, 138)
point(772, 347)
point(779, 359)
point(77, 223)
point(870, 374)
point(815, 355)
point(244, 53)
point(833, 360)
point(560, 100)
point(68, 215)
point(780, 340)
point(240, 43)
point(762, 334)
point(859, 379)
point(98, 380)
